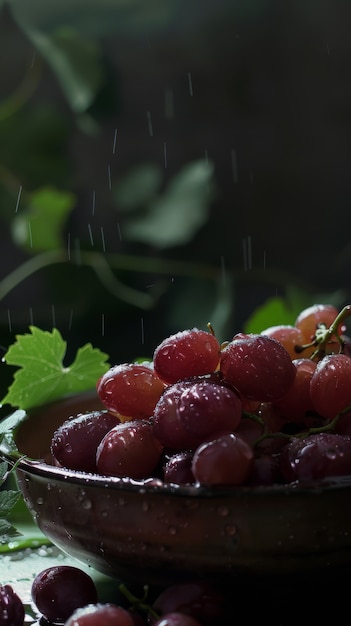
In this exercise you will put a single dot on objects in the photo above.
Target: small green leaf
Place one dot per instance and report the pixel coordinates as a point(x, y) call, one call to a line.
point(40, 227)
point(42, 376)
point(137, 188)
point(8, 499)
point(274, 311)
point(7, 532)
point(3, 471)
point(174, 217)
point(75, 59)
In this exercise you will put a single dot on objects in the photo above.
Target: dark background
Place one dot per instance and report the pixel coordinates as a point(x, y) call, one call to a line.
point(262, 89)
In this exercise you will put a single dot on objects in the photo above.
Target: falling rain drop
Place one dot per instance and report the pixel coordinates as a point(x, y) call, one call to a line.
point(190, 82)
point(53, 316)
point(69, 246)
point(91, 236)
point(9, 320)
point(114, 142)
point(70, 320)
point(103, 239)
point(247, 253)
point(30, 237)
point(223, 270)
point(149, 122)
point(18, 198)
point(142, 331)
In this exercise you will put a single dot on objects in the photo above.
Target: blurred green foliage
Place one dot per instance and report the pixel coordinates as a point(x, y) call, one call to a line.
point(165, 269)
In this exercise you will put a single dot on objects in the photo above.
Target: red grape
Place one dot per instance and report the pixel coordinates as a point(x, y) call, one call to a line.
point(100, 615)
point(167, 425)
point(11, 607)
point(59, 590)
point(289, 336)
point(177, 619)
point(264, 470)
point(258, 366)
point(129, 449)
point(226, 460)
point(313, 316)
point(185, 354)
point(198, 599)
point(296, 402)
point(330, 385)
point(131, 390)
point(206, 409)
point(177, 468)
point(317, 456)
point(66, 444)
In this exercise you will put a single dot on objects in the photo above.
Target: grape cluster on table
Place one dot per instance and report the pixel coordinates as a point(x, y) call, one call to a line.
point(260, 409)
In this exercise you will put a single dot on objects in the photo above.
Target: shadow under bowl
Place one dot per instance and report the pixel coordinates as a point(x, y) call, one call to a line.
point(141, 531)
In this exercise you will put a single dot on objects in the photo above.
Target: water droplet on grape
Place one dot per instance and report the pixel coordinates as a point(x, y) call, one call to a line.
point(230, 530)
point(223, 511)
point(87, 504)
point(40, 500)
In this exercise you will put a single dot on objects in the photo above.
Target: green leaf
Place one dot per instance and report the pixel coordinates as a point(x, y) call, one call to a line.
point(76, 62)
point(40, 227)
point(42, 376)
point(3, 471)
point(7, 532)
point(273, 312)
point(176, 215)
point(8, 499)
point(138, 188)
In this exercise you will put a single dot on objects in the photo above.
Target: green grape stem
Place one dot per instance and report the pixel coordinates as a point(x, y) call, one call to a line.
point(324, 335)
point(328, 427)
point(136, 603)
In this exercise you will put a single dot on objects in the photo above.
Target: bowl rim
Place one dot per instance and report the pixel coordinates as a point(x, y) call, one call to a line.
point(39, 468)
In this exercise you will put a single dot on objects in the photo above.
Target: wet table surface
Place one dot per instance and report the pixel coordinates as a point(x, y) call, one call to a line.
point(19, 567)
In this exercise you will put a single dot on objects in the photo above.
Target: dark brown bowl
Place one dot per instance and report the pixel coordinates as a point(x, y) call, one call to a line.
point(142, 531)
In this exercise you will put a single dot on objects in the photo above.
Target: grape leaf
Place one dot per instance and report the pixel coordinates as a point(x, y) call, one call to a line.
point(8, 499)
point(42, 376)
point(40, 226)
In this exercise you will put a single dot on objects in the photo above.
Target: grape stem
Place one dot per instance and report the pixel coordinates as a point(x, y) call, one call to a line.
point(138, 604)
point(324, 335)
point(329, 426)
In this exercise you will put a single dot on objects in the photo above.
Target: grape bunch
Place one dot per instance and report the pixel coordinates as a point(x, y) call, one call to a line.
point(265, 408)
point(66, 595)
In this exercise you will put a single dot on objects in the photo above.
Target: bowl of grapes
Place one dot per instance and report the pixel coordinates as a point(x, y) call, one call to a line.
point(224, 461)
